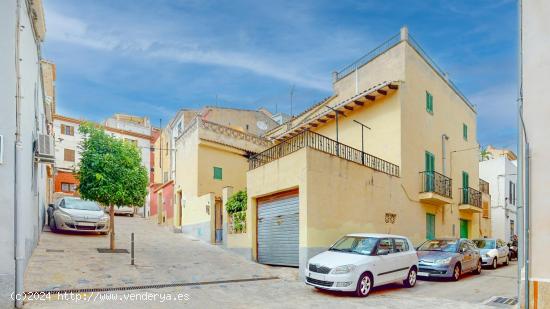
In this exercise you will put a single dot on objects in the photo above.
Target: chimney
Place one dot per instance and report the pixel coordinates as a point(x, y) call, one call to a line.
point(404, 33)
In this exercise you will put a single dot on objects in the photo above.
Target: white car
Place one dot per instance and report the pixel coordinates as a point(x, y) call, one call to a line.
point(124, 210)
point(359, 262)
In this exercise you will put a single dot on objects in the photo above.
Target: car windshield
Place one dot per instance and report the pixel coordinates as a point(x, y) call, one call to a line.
point(485, 243)
point(80, 205)
point(445, 245)
point(355, 244)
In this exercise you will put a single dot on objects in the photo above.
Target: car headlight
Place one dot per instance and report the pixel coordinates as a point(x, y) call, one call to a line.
point(66, 218)
point(104, 219)
point(343, 269)
point(443, 261)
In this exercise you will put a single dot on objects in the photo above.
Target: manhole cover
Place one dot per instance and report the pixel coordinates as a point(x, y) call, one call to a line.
point(501, 301)
point(55, 250)
point(106, 250)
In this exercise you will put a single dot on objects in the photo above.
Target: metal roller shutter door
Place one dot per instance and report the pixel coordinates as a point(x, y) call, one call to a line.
point(278, 231)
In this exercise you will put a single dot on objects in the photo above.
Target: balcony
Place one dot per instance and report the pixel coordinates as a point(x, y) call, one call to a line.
point(483, 186)
point(323, 144)
point(470, 200)
point(436, 188)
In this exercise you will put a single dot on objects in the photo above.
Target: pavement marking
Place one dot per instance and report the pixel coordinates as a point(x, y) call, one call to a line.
point(501, 301)
point(146, 287)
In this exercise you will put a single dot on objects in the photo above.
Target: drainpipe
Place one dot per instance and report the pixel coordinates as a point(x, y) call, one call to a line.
point(444, 138)
point(18, 226)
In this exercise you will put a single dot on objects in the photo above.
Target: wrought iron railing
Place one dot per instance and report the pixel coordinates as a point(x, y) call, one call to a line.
point(436, 183)
point(483, 186)
point(380, 49)
point(470, 196)
point(324, 144)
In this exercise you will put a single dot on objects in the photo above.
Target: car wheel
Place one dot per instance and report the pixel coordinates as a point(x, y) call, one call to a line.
point(411, 278)
point(52, 225)
point(507, 261)
point(364, 285)
point(495, 263)
point(477, 271)
point(456, 272)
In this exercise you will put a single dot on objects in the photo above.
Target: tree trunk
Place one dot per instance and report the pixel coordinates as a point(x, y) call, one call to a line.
point(112, 226)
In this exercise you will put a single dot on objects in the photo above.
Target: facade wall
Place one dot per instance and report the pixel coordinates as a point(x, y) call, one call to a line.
point(536, 65)
point(32, 198)
point(65, 177)
point(198, 217)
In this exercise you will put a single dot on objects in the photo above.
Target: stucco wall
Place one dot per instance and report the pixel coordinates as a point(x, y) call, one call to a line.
point(198, 217)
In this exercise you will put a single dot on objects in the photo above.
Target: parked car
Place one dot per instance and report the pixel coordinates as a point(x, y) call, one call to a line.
point(74, 214)
point(513, 248)
point(493, 251)
point(448, 258)
point(124, 210)
point(359, 262)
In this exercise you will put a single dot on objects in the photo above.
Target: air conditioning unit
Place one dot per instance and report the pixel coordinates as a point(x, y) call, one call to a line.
point(44, 150)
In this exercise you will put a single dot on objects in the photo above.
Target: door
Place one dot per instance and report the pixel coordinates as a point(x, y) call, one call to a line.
point(430, 226)
point(218, 217)
point(429, 168)
point(467, 256)
point(404, 258)
point(464, 228)
point(278, 229)
point(160, 208)
point(386, 269)
point(465, 185)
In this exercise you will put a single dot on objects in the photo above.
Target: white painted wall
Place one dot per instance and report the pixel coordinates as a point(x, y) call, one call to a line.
point(536, 74)
point(499, 172)
point(33, 202)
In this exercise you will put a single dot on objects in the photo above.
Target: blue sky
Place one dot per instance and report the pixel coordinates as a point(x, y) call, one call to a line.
point(151, 58)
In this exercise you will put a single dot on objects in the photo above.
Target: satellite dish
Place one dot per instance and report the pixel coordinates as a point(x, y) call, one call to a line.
point(261, 125)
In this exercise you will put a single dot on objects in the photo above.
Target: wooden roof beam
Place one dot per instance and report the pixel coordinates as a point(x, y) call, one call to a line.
point(322, 120)
point(330, 116)
point(393, 87)
point(359, 103)
point(370, 97)
point(349, 108)
point(384, 92)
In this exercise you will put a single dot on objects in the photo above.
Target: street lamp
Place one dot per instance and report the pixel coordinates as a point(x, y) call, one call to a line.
point(363, 126)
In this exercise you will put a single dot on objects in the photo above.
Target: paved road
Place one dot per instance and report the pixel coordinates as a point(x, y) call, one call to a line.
point(164, 257)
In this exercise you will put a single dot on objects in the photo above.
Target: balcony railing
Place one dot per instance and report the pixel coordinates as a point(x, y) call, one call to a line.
point(483, 186)
point(324, 144)
point(436, 183)
point(470, 196)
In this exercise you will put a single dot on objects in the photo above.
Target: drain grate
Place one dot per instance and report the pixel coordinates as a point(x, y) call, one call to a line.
point(106, 250)
point(55, 250)
point(501, 301)
point(144, 287)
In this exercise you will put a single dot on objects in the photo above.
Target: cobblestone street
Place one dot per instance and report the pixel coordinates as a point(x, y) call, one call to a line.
point(212, 277)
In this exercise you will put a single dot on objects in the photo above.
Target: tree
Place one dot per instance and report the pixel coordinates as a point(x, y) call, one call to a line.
point(110, 172)
point(236, 208)
point(484, 154)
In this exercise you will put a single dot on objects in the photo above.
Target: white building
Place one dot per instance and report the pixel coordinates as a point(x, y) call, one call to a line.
point(501, 174)
point(26, 149)
point(67, 152)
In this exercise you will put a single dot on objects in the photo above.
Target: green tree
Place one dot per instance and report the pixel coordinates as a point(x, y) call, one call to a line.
point(484, 154)
point(110, 172)
point(236, 208)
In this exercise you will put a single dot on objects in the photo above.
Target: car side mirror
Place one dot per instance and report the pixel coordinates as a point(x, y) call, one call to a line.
point(382, 252)
point(50, 205)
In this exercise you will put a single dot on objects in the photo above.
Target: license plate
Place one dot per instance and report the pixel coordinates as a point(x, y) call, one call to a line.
point(423, 274)
point(316, 276)
point(86, 224)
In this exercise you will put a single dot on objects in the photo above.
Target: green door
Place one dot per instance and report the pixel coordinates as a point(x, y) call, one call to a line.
point(465, 185)
point(429, 168)
point(463, 228)
point(430, 226)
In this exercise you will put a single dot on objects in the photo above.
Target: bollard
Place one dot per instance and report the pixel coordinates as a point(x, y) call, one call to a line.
point(132, 248)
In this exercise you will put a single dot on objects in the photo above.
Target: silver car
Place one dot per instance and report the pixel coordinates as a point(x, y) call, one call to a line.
point(493, 251)
point(74, 214)
point(448, 258)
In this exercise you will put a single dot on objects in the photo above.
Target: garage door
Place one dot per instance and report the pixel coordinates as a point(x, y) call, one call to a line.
point(278, 230)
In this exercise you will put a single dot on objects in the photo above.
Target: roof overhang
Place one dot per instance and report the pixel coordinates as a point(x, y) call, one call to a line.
point(321, 116)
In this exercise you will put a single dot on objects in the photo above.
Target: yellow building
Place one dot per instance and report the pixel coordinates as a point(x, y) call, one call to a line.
point(211, 153)
point(420, 150)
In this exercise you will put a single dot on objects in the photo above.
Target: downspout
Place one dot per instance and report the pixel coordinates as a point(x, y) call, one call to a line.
point(18, 228)
point(444, 138)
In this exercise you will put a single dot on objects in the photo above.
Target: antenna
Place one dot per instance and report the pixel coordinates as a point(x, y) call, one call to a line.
point(291, 99)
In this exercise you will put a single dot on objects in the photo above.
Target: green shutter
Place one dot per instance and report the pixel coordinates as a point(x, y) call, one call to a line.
point(465, 185)
point(465, 131)
point(464, 228)
point(218, 173)
point(429, 168)
point(429, 103)
point(430, 226)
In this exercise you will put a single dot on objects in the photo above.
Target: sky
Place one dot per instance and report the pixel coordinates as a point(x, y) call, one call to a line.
point(153, 57)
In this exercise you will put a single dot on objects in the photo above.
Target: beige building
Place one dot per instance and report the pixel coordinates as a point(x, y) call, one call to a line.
point(417, 176)
point(534, 147)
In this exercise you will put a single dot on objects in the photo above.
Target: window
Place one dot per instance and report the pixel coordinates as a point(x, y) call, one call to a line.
point(217, 173)
point(465, 131)
point(68, 187)
point(430, 226)
point(486, 209)
point(385, 244)
point(401, 245)
point(68, 155)
point(512, 193)
point(67, 130)
point(429, 103)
